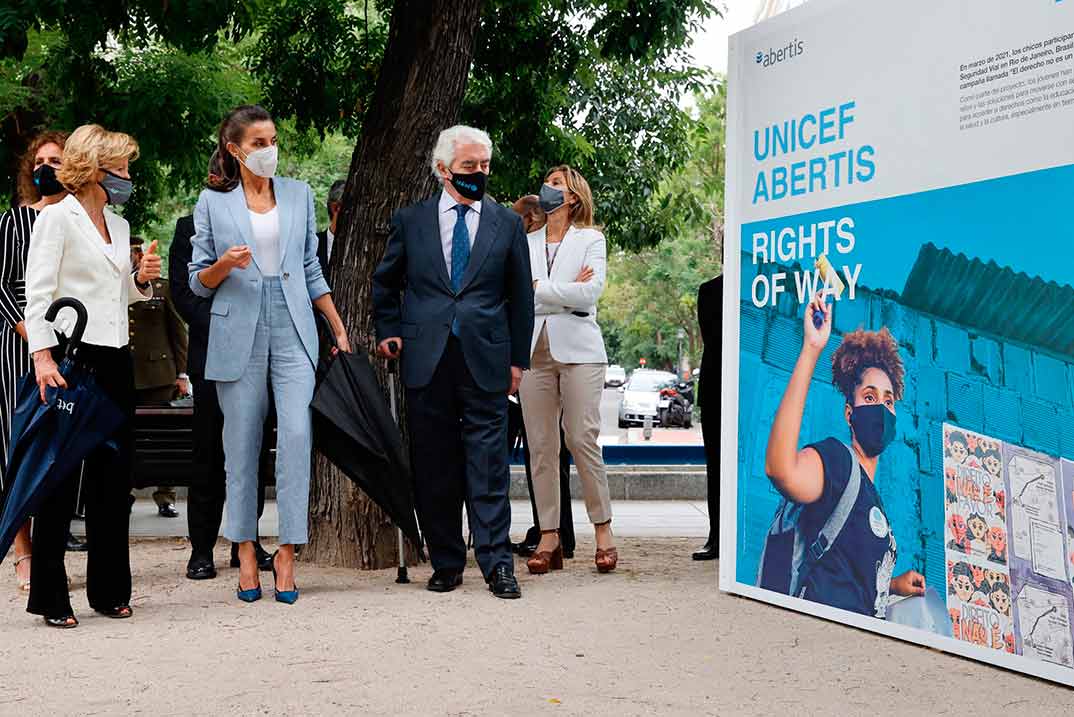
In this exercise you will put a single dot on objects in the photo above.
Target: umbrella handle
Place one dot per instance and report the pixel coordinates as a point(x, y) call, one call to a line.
point(393, 364)
point(81, 319)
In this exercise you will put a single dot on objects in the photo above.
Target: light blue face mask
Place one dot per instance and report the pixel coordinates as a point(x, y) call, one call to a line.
point(117, 188)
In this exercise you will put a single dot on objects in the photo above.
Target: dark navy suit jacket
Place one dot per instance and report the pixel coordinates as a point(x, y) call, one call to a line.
point(413, 298)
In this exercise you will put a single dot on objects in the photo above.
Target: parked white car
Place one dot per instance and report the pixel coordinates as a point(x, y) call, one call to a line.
point(614, 376)
point(641, 397)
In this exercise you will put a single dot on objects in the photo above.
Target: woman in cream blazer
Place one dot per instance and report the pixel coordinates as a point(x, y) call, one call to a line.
point(568, 258)
point(80, 249)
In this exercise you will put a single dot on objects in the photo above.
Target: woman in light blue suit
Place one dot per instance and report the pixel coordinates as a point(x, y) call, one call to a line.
point(255, 255)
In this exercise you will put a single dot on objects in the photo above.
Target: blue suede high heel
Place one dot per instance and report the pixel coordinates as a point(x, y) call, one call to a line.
point(251, 595)
point(285, 596)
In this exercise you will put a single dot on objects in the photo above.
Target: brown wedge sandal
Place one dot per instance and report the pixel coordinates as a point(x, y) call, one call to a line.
point(546, 560)
point(606, 560)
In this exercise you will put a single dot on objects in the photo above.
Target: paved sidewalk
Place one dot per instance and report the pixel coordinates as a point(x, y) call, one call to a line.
point(653, 638)
point(633, 519)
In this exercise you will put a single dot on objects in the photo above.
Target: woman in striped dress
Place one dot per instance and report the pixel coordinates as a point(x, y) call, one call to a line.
point(38, 188)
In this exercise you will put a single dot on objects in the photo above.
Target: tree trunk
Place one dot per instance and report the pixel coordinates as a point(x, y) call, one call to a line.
point(419, 93)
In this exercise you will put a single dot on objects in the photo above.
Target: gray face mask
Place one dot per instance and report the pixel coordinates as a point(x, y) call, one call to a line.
point(551, 198)
point(117, 188)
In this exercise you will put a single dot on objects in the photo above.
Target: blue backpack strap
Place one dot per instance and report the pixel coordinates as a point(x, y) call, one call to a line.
point(832, 527)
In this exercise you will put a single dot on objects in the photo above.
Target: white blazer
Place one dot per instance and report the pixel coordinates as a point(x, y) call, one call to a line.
point(68, 257)
point(571, 338)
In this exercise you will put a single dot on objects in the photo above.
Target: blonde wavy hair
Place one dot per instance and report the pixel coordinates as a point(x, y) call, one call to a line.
point(582, 210)
point(90, 148)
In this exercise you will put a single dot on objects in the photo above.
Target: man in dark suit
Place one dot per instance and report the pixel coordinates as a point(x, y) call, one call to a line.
point(205, 505)
point(158, 344)
point(454, 295)
point(710, 320)
point(326, 240)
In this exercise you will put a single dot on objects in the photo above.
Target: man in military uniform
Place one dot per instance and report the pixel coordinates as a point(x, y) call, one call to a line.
point(158, 343)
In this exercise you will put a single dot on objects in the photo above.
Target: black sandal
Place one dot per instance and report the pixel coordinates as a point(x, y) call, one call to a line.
point(119, 612)
point(62, 623)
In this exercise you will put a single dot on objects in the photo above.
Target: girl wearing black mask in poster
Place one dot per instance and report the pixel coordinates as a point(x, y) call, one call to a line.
point(856, 572)
point(38, 188)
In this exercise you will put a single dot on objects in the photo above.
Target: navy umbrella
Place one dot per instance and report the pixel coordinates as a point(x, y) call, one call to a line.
point(50, 439)
point(353, 428)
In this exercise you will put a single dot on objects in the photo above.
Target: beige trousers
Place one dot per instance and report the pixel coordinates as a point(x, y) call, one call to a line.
point(551, 389)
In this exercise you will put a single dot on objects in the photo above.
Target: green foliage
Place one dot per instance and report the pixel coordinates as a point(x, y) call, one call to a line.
point(190, 25)
point(651, 294)
point(167, 99)
point(592, 83)
point(318, 61)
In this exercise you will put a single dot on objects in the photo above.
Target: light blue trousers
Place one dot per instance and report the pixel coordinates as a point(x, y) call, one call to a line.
point(278, 360)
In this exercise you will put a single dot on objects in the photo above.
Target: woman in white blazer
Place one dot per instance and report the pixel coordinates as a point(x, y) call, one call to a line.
point(568, 257)
point(80, 249)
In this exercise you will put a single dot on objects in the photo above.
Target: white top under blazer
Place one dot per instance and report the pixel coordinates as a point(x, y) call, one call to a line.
point(266, 240)
point(67, 257)
point(571, 338)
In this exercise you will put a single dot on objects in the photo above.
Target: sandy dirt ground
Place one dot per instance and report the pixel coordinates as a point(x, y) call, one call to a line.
point(654, 638)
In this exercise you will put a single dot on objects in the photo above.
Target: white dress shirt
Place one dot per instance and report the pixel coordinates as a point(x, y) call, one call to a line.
point(448, 217)
point(330, 239)
point(68, 257)
point(266, 240)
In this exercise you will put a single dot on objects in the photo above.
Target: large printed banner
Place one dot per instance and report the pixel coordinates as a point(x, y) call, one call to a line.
point(899, 323)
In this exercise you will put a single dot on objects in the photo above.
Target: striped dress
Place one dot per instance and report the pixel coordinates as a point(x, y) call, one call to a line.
point(15, 226)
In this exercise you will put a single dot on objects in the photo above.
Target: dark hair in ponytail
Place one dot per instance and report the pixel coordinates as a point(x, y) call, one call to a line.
point(223, 167)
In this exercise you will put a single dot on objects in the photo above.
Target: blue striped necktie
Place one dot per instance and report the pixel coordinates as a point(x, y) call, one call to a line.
point(460, 255)
point(460, 248)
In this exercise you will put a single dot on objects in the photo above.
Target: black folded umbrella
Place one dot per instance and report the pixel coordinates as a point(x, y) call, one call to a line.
point(50, 439)
point(353, 427)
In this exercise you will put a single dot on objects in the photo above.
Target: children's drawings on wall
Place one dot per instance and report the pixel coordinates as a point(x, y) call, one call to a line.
point(1009, 538)
point(1035, 513)
point(975, 495)
point(1045, 626)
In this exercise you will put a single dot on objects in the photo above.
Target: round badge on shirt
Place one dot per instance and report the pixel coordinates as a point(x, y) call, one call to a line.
point(877, 522)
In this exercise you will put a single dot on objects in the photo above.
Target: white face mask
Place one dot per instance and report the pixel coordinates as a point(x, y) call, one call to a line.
point(263, 162)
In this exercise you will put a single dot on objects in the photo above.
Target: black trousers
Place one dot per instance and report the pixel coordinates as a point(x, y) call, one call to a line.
point(459, 455)
point(516, 433)
point(710, 434)
point(208, 484)
point(106, 487)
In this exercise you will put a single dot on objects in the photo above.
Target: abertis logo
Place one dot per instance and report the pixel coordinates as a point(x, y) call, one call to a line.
point(775, 56)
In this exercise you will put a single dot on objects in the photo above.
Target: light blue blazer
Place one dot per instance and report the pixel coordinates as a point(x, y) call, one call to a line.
point(221, 221)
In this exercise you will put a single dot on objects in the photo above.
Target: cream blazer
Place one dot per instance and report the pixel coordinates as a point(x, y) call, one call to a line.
point(571, 338)
point(68, 257)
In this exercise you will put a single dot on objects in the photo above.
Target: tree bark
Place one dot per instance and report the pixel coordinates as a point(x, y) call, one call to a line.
point(419, 93)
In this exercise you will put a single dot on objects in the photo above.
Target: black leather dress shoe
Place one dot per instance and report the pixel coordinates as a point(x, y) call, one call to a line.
point(710, 551)
point(200, 567)
point(444, 581)
point(502, 583)
point(167, 511)
point(74, 545)
point(523, 549)
point(264, 557)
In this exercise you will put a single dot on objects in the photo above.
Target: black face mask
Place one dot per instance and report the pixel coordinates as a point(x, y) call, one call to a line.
point(874, 427)
point(46, 182)
point(471, 186)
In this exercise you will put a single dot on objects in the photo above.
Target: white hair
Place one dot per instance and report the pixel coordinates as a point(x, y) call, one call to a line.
point(449, 140)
